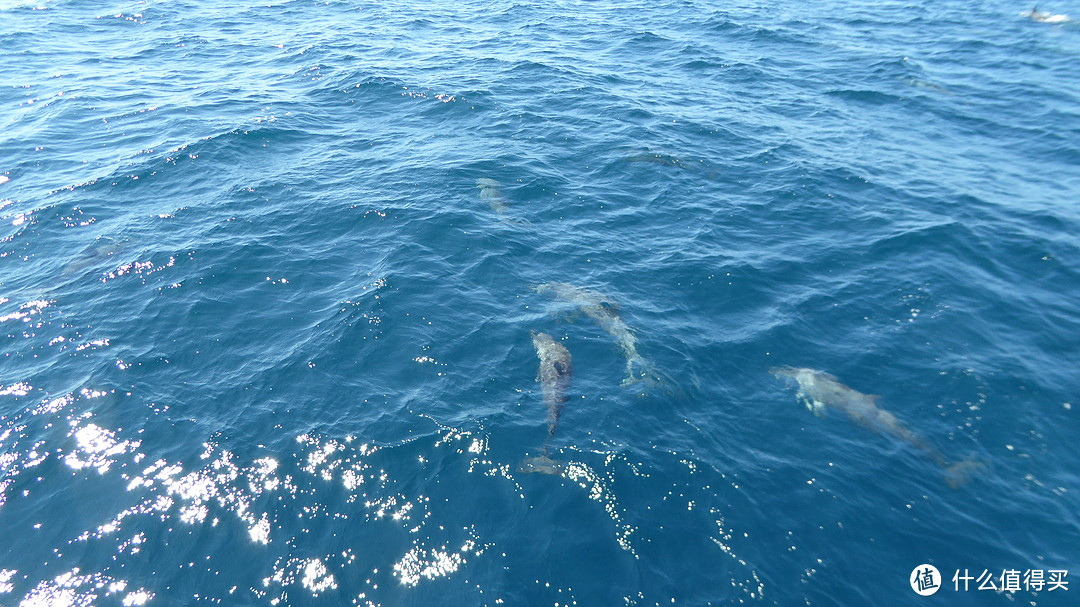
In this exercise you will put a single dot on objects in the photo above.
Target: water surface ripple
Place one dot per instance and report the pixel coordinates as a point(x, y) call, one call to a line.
point(268, 272)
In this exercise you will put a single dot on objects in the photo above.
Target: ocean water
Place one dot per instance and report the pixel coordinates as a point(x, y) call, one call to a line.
point(269, 271)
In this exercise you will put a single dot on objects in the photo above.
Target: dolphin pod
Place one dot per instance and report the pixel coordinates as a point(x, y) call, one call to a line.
point(554, 377)
point(820, 390)
point(605, 312)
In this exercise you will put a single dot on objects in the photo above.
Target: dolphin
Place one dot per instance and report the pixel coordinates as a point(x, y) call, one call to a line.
point(554, 377)
point(699, 167)
point(605, 312)
point(820, 390)
point(96, 252)
point(490, 193)
point(656, 158)
point(1036, 15)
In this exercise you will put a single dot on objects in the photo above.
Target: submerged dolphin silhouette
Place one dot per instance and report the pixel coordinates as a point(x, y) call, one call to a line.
point(489, 192)
point(818, 390)
point(94, 253)
point(554, 377)
point(656, 158)
point(605, 312)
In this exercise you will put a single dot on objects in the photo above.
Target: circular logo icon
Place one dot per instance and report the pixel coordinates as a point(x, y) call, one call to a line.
point(925, 580)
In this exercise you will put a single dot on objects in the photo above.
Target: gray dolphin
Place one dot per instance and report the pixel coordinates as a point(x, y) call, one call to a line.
point(605, 312)
point(489, 192)
point(96, 252)
point(656, 158)
point(818, 390)
point(554, 377)
point(700, 167)
point(1036, 15)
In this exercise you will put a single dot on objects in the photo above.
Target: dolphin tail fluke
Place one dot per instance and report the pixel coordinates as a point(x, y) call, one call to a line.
point(959, 474)
point(641, 371)
point(638, 370)
point(541, 464)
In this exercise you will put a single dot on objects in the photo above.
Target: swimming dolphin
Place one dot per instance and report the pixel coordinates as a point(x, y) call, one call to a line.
point(699, 167)
point(605, 312)
point(656, 158)
point(489, 192)
point(1041, 17)
point(94, 253)
point(818, 390)
point(554, 377)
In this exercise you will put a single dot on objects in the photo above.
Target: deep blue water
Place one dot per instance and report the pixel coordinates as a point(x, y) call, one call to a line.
point(268, 274)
